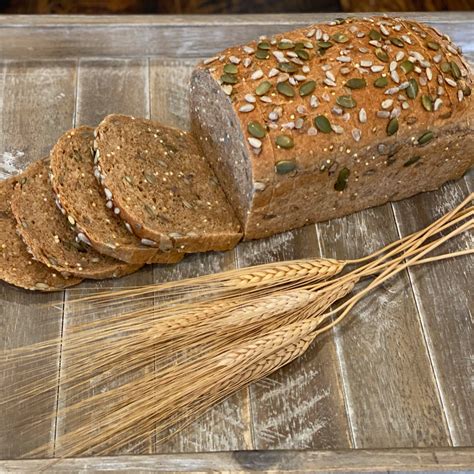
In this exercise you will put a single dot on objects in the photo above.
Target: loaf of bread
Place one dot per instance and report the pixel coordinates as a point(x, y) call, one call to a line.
point(333, 118)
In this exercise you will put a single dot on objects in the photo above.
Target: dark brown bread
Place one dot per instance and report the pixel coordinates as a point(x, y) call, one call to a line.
point(17, 266)
point(327, 120)
point(81, 198)
point(160, 183)
point(48, 233)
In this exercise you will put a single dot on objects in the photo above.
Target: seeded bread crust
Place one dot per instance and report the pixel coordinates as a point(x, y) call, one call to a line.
point(159, 182)
point(17, 266)
point(81, 198)
point(50, 237)
point(305, 151)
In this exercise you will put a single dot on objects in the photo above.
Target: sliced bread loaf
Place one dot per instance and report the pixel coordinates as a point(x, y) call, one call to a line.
point(159, 182)
point(81, 198)
point(17, 266)
point(50, 236)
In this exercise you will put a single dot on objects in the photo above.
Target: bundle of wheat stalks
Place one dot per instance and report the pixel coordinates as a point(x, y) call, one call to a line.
point(203, 338)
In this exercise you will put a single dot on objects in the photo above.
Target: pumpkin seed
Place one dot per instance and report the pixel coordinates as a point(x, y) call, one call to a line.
point(256, 130)
point(285, 89)
point(396, 41)
point(150, 177)
point(412, 89)
point(375, 35)
point(425, 138)
point(322, 124)
point(427, 102)
point(382, 55)
point(356, 83)
point(411, 161)
point(228, 79)
point(287, 67)
point(455, 71)
point(346, 101)
point(324, 44)
point(302, 54)
point(262, 54)
point(392, 126)
point(445, 67)
point(264, 45)
point(307, 88)
point(342, 178)
point(466, 91)
point(432, 45)
point(340, 38)
point(263, 88)
point(285, 166)
point(381, 82)
point(230, 69)
point(284, 141)
point(299, 45)
point(407, 66)
point(285, 45)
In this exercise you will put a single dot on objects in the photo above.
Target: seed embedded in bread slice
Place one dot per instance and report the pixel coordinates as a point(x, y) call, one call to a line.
point(50, 236)
point(17, 266)
point(159, 182)
point(81, 197)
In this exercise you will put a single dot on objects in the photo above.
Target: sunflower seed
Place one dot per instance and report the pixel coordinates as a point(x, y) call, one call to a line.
point(259, 186)
point(356, 134)
point(362, 115)
point(148, 242)
point(283, 78)
point(258, 74)
point(387, 104)
point(391, 91)
point(450, 82)
point(250, 98)
point(423, 81)
point(337, 129)
point(336, 110)
point(407, 39)
point(405, 105)
point(396, 111)
point(330, 83)
point(310, 33)
point(384, 30)
point(377, 68)
point(254, 142)
point(395, 77)
point(227, 88)
point(318, 34)
point(383, 113)
point(344, 59)
point(108, 193)
point(273, 116)
point(460, 95)
point(366, 63)
point(313, 101)
point(210, 60)
point(249, 50)
point(246, 108)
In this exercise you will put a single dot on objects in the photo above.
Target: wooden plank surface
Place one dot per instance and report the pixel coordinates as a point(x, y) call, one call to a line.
point(395, 374)
point(171, 36)
point(445, 309)
point(390, 392)
point(340, 461)
point(301, 406)
point(29, 129)
point(228, 425)
point(104, 87)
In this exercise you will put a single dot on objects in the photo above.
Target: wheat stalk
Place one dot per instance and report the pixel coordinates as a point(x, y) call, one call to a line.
point(254, 321)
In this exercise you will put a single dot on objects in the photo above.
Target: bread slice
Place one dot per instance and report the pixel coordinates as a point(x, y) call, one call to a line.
point(49, 235)
point(81, 197)
point(17, 266)
point(159, 182)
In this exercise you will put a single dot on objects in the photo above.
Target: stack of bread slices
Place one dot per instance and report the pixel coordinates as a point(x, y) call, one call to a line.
point(107, 201)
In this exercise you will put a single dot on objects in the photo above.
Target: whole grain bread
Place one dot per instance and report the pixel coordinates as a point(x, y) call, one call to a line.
point(82, 200)
point(330, 119)
point(50, 235)
point(17, 266)
point(156, 178)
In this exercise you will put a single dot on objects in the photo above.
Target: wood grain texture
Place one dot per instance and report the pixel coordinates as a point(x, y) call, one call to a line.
point(170, 36)
point(340, 461)
point(391, 396)
point(29, 92)
point(300, 406)
point(446, 304)
point(226, 426)
point(104, 87)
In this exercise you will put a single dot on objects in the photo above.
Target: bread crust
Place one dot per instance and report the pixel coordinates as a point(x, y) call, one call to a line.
point(81, 197)
point(414, 133)
point(48, 235)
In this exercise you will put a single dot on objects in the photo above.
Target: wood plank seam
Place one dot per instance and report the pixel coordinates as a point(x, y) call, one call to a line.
point(424, 331)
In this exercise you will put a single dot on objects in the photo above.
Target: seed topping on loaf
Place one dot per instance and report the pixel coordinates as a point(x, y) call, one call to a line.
point(318, 82)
